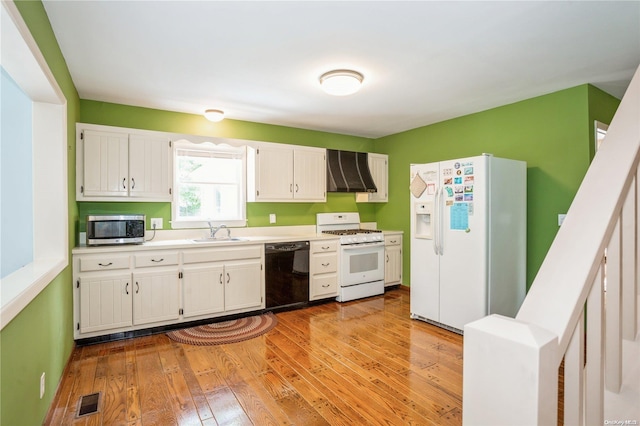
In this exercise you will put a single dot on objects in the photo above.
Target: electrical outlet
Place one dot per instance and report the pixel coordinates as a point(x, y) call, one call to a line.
point(156, 223)
point(42, 385)
point(272, 218)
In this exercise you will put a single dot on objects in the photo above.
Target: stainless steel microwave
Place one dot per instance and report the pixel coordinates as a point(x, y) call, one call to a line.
point(115, 229)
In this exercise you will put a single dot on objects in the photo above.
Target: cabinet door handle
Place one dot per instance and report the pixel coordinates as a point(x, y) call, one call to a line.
point(325, 264)
point(123, 181)
point(105, 264)
point(326, 285)
point(220, 278)
point(137, 287)
point(387, 258)
point(158, 260)
point(296, 187)
point(133, 183)
point(228, 278)
point(126, 288)
point(325, 248)
point(393, 241)
point(290, 187)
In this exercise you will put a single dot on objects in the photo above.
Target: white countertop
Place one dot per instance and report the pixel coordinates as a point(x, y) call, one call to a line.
point(166, 240)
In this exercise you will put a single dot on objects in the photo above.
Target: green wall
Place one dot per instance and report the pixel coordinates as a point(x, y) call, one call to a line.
point(287, 214)
point(40, 338)
point(552, 133)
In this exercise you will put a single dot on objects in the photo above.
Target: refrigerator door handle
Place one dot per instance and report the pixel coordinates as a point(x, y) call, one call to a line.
point(434, 224)
point(441, 222)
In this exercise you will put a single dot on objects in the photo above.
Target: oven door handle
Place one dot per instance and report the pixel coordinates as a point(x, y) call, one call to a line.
point(362, 245)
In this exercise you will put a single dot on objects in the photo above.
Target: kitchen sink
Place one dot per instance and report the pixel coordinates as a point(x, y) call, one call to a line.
point(218, 240)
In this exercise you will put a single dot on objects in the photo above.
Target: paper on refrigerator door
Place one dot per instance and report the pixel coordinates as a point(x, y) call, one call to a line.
point(459, 217)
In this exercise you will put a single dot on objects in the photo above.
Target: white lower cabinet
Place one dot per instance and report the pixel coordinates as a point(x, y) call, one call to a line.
point(156, 296)
point(203, 288)
point(125, 291)
point(222, 287)
point(323, 269)
point(393, 259)
point(105, 302)
point(217, 281)
point(243, 285)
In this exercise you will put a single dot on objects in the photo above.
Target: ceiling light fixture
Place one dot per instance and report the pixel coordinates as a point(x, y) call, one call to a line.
point(341, 82)
point(214, 115)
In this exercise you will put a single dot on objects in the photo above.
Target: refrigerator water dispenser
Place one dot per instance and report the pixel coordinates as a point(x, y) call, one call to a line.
point(424, 220)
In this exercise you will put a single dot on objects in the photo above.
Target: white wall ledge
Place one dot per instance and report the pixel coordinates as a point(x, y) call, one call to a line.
point(19, 289)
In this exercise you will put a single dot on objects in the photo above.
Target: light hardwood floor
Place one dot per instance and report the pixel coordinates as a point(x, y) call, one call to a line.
point(363, 362)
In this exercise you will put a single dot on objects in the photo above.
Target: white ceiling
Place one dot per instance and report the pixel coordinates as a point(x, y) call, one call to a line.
point(423, 61)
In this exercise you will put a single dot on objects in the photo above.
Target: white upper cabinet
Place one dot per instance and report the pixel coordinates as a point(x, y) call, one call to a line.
point(379, 167)
point(106, 164)
point(149, 167)
point(274, 173)
point(310, 174)
point(114, 166)
point(288, 173)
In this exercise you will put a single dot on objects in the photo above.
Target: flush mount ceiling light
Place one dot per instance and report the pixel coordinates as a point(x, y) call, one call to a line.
point(341, 82)
point(214, 115)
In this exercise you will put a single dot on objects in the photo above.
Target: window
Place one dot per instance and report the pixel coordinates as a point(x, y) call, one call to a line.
point(209, 185)
point(601, 132)
point(16, 177)
point(46, 214)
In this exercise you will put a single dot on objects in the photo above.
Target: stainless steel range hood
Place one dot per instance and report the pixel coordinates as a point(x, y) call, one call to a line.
point(348, 171)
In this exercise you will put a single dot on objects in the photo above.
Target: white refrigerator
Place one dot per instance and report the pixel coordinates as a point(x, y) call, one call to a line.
point(468, 239)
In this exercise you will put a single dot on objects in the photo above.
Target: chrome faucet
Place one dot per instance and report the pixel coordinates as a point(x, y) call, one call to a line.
point(213, 230)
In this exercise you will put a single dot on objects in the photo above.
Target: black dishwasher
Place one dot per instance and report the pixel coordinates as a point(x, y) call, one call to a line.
point(286, 274)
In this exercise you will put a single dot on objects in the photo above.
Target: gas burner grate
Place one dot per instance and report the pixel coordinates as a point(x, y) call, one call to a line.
point(352, 231)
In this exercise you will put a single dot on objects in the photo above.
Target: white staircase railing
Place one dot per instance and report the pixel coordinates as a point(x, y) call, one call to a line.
point(571, 313)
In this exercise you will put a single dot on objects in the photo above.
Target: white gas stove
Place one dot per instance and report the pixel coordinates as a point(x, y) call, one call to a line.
point(361, 257)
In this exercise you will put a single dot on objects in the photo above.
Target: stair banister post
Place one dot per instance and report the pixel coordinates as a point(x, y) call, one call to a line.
point(510, 372)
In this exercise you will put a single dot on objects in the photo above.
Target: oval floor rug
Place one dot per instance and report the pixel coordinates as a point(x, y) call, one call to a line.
point(225, 332)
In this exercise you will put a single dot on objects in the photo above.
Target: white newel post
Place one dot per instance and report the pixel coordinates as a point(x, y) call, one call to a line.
point(510, 373)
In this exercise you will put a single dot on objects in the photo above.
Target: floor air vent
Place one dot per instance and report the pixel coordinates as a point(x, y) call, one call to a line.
point(88, 404)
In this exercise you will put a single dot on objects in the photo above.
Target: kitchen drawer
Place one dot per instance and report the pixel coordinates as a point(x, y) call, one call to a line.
point(392, 240)
point(156, 259)
point(323, 286)
point(103, 263)
point(324, 246)
point(324, 263)
point(221, 254)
